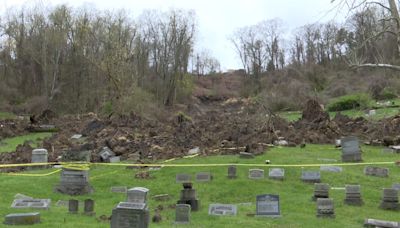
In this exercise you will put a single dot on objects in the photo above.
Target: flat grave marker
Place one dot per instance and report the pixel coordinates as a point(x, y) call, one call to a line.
point(276, 173)
point(22, 218)
point(376, 171)
point(183, 178)
point(256, 174)
point(31, 203)
point(311, 176)
point(203, 177)
point(222, 209)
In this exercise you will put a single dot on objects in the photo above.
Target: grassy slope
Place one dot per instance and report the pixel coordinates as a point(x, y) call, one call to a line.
point(9, 144)
point(380, 113)
point(297, 208)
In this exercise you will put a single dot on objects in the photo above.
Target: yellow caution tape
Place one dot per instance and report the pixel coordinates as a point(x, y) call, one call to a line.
point(191, 156)
point(32, 174)
point(85, 166)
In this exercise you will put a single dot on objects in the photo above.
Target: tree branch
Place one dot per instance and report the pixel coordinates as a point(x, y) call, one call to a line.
point(376, 65)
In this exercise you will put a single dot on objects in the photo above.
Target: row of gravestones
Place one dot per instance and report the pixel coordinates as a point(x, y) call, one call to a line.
point(34, 217)
point(279, 174)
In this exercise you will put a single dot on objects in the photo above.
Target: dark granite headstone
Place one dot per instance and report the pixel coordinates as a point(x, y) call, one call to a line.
point(128, 215)
point(376, 171)
point(22, 218)
point(74, 182)
point(182, 213)
point(353, 195)
point(268, 205)
point(89, 207)
point(325, 208)
point(183, 178)
point(232, 172)
point(188, 196)
point(390, 199)
point(311, 176)
point(73, 206)
point(351, 151)
point(321, 190)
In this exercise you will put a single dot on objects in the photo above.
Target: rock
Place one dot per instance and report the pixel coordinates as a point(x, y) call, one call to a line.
point(194, 151)
point(157, 217)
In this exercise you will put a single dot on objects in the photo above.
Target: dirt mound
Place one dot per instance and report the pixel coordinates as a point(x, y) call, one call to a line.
point(12, 128)
point(313, 112)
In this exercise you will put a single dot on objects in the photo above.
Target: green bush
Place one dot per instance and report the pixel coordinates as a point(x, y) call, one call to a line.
point(359, 100)
point(387, 94)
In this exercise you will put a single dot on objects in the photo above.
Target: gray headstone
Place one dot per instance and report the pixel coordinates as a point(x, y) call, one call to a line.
point(183, 178)
point(162, 197)
point(325, 208)
point(182, 213)
point(311, 176)
point(74, 182)
point(203, 177)
point(188, 196)
point(222, 209)
point(73, 206)
point(333, 169)
point(268, 205)
point(276, 173)
point(119, 189)
point(390, 199)
point(256, 173)
point(353, 195)
point(376, 171)
point(381, 223)
point(137, 195)
point(396, 186)
point(22, 218)
point(246, 155)
point(106, 153)
point(115, 159)
point(232, 171)
point(128, 215)
point(31, 203)
point(321, 190)
point(39, 156)
point(350, 149)
point(89, 207)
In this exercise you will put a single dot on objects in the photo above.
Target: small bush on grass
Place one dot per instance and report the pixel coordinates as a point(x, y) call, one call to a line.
point(353, 101)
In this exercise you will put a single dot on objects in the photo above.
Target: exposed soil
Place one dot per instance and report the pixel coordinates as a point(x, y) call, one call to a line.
point(216, 127)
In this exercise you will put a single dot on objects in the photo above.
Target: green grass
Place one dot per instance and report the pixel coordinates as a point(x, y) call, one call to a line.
point(7, 115)
point(10, 144)
point(354, 113)
point(296, 206)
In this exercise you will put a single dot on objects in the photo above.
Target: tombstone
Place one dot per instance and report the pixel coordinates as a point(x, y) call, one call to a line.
point(162, 197)
point(76, 136)
point(127, 215)
point(396, 186)
point(22, 218)
point(380, 223)
point(88, 208)
point(115, 159)
point(276, 173)
point(73, 155)
point(311, 176)
point(73, 206)
point(329, 168)
point(256, 174)
point(203, 177)
point(105, 154)
point(320, 191)
point(119, 189)
point(246, 155)
point(137, 195)
point(182, 213)
point(222, 209)
point(31, 203)
point(325, 208)
point(353, 195)
point(232, 172)
point(376, 171)
point(188, 196)
point(268, 205)
point(39, 156)
point(350, 149)
point(74, 182)
point(183, 178)
point(390, 199)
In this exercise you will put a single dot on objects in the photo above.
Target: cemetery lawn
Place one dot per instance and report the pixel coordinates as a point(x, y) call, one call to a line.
point(10, 144)
point(297, 209)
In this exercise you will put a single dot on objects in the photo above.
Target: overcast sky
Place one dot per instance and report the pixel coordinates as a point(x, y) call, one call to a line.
point(217, 18)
